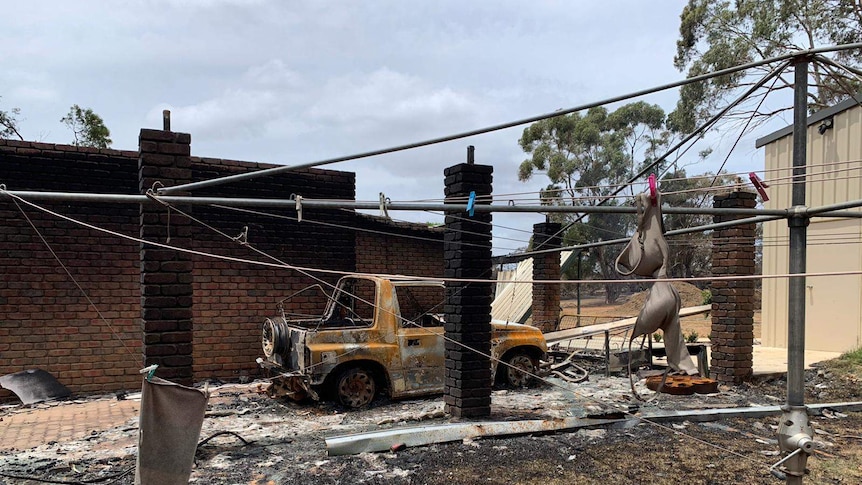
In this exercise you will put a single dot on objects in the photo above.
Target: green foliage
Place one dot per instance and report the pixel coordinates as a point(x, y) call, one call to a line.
point(88, 128)
point(716, 34)
point(9, 124)
point(657, 337)
point(692, 337)
point(853, 358)
point(576, 152)
point(707, 297)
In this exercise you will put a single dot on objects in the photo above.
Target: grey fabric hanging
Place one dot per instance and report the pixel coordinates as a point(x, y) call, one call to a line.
point(170, 427)
point(647, 251)
point(647, 255)
point(661, 312)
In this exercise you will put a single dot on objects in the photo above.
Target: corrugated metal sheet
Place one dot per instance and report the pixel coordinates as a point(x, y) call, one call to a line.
point(831, 325)
point(514, 300)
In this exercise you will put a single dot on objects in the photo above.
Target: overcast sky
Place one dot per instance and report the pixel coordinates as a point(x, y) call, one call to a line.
point(291, 81)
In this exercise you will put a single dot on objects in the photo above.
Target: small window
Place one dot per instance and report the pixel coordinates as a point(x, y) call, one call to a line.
point(353, 303)
point(421, 305)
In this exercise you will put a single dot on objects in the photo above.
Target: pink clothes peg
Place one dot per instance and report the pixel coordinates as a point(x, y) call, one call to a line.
point(652, 189)
point(760, 185)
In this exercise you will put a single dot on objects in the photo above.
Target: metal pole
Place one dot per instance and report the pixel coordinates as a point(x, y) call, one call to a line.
point(608, 353)
point(760, 215)
point(368, 205)
point(797, 224)
point(578, 286)
point(795, 432)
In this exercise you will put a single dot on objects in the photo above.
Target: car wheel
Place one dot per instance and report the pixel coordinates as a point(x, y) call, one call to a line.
point(520, 370)
point(355, 388)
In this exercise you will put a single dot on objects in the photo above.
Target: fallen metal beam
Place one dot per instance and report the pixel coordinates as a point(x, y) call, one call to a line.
point(444, 433)
point(589, 330)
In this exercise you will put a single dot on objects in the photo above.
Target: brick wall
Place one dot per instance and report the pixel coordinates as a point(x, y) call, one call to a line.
point(732, 312)
point(232, 299)
point(546, 297)
point(45, 321)
point(412, 250)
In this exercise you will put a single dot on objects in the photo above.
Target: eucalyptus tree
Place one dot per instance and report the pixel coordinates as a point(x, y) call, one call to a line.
point(718, 34)
point(87, 127)
point(9, 124)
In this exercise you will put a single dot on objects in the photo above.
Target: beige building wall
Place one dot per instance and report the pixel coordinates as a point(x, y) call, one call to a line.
point(833, 303)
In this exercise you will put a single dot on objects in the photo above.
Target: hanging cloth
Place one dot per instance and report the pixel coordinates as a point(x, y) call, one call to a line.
point(170, 427)
point(647, 255)
point(647, 252)
point(661, 312)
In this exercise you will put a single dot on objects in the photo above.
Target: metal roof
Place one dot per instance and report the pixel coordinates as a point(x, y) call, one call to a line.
point(814, 118)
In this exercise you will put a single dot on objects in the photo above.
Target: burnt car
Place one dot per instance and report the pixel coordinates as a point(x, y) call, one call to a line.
point(379, 335)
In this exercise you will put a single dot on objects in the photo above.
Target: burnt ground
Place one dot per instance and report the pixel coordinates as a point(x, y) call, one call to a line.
point(287, 441)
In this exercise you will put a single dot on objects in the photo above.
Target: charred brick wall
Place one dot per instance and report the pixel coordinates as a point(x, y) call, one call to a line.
point(232, 298)
point(166, 274)
point(546, 297)
point(467, 249)
point(45, 319)
point(46, 322)
point(732, 333)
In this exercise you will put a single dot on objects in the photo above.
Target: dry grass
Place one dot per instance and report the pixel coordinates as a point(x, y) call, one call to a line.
point(594, 310)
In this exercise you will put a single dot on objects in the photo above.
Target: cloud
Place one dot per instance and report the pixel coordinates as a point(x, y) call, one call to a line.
point(34, 93)
point(329, 117)
point(264, 96)
point(387, 105)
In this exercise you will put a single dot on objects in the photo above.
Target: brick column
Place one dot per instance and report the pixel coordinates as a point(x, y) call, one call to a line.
point(546, 297)
point(732, 337)
point(467, 254)
point(166, 275)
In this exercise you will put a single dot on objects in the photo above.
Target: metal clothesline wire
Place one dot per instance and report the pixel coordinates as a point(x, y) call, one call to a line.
point(401, 277)
point(691, 136)
point(351, 228)
point(785, 58)
point(749, 220)
point(741, 133)
point(503, 196)
point(828, 64)
point(770, 214)
point(393, 206)
point(461, 231)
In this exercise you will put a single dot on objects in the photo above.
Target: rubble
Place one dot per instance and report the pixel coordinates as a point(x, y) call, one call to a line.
point(286, 439)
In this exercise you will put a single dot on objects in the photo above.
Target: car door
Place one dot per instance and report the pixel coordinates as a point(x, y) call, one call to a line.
point(422, 357)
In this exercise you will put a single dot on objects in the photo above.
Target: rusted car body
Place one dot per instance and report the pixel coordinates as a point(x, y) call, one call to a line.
point(377, 334)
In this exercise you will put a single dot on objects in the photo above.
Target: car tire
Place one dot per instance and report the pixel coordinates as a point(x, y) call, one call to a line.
point(355, 388)
point(520, 369)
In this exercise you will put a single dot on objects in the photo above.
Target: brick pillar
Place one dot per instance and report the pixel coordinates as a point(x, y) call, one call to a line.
point(546, 297)
point(166, 275)
point(467, 254)
point(732, 337)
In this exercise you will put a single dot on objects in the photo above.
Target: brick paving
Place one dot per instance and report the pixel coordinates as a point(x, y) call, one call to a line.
point(63, 422)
